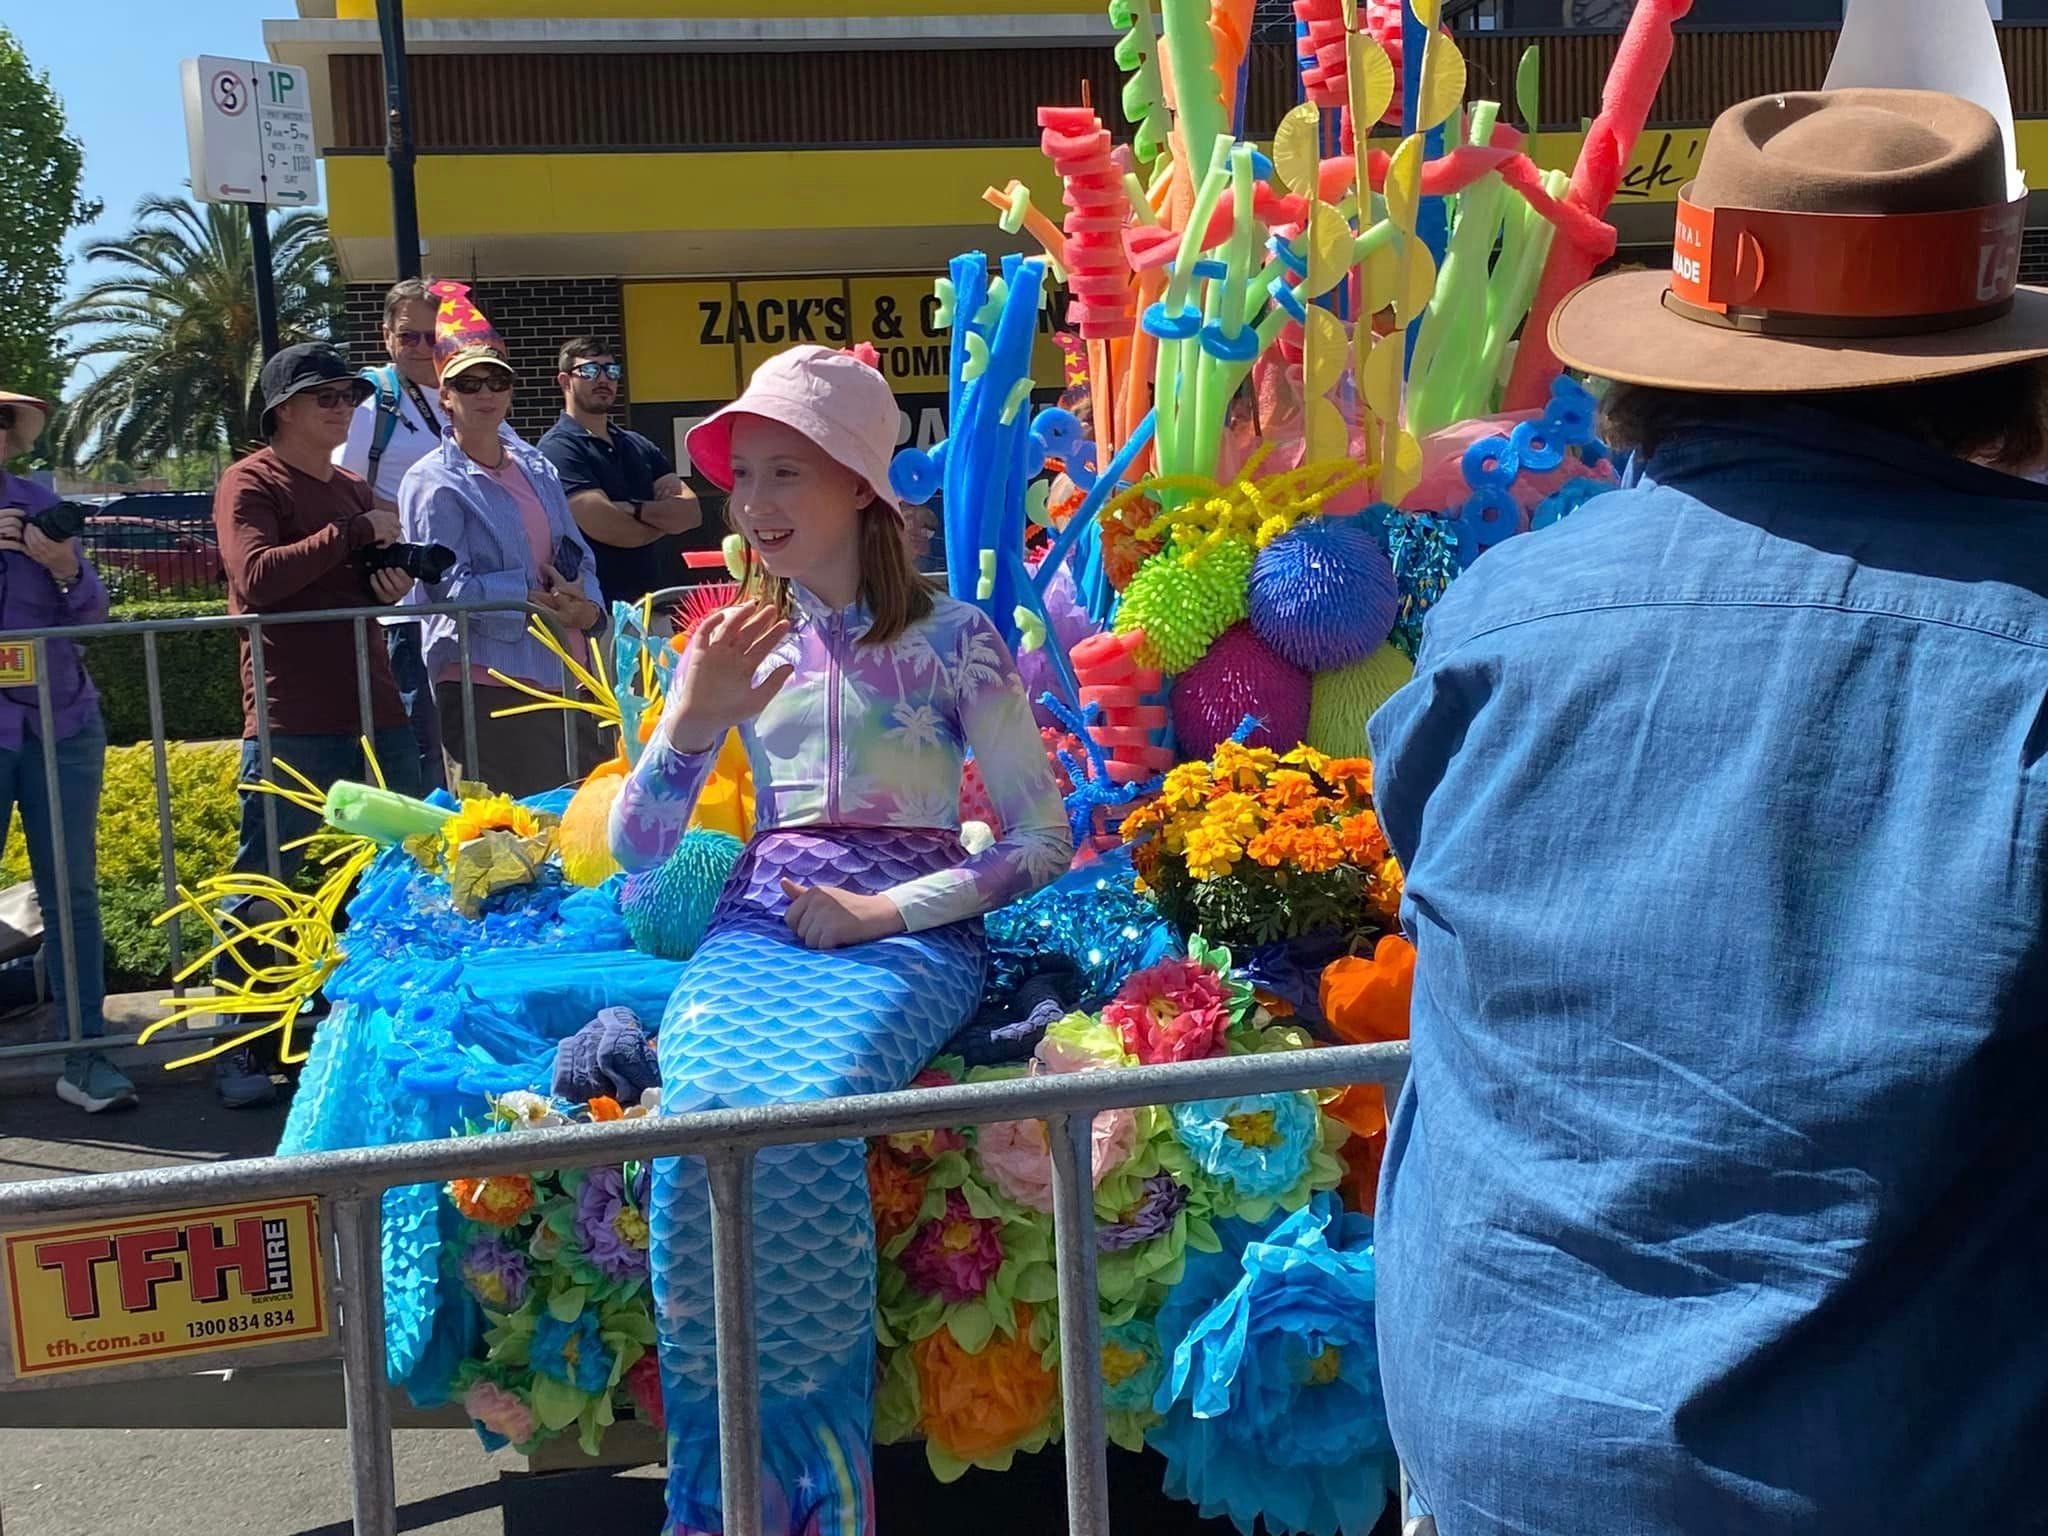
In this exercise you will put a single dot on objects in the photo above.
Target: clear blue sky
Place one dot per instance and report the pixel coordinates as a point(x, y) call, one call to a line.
point(115, 64)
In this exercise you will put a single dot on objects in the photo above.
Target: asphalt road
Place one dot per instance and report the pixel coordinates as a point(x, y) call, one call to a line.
point(89, 1482)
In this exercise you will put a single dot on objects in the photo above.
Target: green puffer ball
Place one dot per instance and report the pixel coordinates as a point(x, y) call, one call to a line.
point(1342, 701)
point(1183, 606)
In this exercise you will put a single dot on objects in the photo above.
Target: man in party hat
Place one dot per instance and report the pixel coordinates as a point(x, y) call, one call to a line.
point(1714, 1202)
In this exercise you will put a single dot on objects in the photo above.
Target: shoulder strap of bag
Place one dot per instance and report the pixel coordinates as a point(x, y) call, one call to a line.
point(385, 381)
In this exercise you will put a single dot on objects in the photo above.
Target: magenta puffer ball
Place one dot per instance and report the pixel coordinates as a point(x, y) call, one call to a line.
point(1241, 675)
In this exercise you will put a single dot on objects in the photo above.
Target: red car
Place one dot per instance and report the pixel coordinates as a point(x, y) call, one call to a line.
point(173, 555)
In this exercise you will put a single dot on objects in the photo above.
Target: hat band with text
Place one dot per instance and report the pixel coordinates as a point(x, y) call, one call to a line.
point(1844, 274)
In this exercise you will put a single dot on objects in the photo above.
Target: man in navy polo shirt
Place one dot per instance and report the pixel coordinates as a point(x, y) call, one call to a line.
point(627, 497)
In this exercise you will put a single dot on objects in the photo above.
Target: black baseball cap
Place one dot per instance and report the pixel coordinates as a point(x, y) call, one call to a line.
point(305, 365)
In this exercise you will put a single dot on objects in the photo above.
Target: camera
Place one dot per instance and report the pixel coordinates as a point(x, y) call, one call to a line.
point(422, 562)
point(61, 523)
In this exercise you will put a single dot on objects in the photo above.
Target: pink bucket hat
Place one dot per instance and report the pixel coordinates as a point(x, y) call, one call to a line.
point(836, 399)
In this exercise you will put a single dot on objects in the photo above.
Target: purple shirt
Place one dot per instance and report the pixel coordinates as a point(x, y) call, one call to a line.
point(31, 599)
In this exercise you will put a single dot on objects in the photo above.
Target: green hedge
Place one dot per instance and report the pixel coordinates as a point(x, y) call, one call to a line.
point(205, 826)
point(199, 670)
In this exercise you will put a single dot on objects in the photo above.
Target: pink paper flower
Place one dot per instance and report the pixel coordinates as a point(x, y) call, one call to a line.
point(1176, 1010)
point(499, 1411)
point(955, 1255)
point(1018, 1162)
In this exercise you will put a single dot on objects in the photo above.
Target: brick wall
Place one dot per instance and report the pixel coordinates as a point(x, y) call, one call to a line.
point(534, 316)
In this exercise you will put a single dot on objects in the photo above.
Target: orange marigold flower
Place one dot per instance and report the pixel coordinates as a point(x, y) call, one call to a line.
point(1288, 787)
point(602, 1109)
point(1351, 774)
point(1318, 851)
point(1364, 842)
point(897, 1193)
point(495, 1202)
point(977, 1406)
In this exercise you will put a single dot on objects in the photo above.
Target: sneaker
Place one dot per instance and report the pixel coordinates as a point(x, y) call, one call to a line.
point(241, 1081)
point(93, 1083)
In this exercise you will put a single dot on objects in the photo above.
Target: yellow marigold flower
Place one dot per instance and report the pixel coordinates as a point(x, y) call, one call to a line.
point(489, 814)
point(1210, 855)
point(1235, 814)
point(1306, 757)
point(1186, 787)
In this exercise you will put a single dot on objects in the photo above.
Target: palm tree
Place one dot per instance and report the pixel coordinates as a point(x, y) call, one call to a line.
point(175, 318)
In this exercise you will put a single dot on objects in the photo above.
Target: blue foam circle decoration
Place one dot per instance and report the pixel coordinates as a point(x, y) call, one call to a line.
point(1324, 595)
point(1490, 461)
point(1168, 326)
point(1241, 348)
point(1538, 445)
point(914, 475)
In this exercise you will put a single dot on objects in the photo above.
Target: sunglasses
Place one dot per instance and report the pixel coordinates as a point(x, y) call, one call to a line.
point(477, 380)
point(328, 399)
point(413, 338)
point(611, 371)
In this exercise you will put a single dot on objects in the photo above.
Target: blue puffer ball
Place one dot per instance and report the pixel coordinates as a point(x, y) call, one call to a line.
point(1324, 596)
point(667, 909)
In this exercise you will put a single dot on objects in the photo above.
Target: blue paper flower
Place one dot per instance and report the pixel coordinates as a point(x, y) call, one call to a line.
point(1272, 1395)
point(1132, 1366)
point(1258, 1145)
point(572, 1352)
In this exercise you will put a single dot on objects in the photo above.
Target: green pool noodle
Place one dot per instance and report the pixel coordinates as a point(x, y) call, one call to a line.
point(383, 815)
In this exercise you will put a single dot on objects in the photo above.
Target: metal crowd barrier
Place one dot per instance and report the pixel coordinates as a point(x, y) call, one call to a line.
point(351, 1185)
point(362, 620)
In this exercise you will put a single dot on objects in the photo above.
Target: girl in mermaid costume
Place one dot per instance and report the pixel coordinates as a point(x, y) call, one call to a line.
point(847, 946)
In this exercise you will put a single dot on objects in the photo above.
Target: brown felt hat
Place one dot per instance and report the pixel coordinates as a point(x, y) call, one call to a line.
point(1832, 240)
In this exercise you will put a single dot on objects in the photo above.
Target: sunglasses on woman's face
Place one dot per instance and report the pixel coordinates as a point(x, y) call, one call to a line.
point(478, 380)
point(611, 371)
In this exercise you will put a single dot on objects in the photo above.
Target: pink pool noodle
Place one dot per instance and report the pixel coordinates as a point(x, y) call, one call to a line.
point(1632, 86)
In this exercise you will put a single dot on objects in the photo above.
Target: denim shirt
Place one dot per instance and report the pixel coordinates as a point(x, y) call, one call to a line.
point(1717, 1200)
point(448, 498)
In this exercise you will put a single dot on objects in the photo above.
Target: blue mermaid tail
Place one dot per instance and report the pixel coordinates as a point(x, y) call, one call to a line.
point(758, 1019)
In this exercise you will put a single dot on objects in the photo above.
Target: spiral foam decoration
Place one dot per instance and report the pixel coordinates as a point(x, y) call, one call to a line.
point(1098, 271)
point(1342, 701)
point(1324, 595)
point(668, 908)
point(1241, 675)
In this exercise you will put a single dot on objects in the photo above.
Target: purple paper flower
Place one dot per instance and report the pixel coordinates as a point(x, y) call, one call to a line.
point(496, 1274)
point(1160, 1199)
point(610, 1228)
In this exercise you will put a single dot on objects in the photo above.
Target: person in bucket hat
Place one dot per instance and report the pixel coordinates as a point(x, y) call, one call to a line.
point(847, 945)
point(1713, 1201)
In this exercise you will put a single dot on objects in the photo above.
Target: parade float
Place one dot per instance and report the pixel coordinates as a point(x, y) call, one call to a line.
point(1310, 389)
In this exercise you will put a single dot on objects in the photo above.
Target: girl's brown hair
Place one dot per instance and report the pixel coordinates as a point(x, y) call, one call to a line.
point(890, 586)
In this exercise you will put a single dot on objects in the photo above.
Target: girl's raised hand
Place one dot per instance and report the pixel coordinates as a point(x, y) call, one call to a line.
point(716, 690)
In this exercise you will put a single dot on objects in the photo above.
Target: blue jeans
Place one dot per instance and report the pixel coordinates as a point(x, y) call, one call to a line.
point(81, 765)
point(409, 669)
point(323, 759)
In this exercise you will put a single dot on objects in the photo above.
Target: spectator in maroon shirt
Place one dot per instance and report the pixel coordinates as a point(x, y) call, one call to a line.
point(290, 523)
